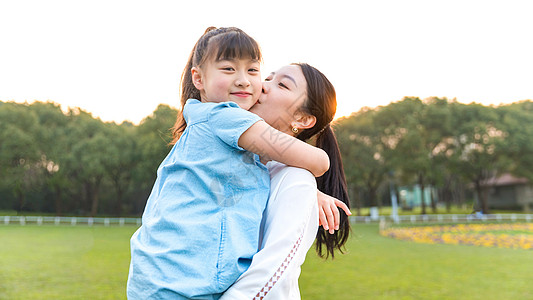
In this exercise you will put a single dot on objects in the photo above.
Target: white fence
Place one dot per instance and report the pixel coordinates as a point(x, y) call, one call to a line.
point(89, 221)
point(457, 218)
point(412, 219)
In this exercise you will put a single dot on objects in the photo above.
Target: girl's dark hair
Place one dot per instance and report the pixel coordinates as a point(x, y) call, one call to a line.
point(321, 102)
point(218, 44)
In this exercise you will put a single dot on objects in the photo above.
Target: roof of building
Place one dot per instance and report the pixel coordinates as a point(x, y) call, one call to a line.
point(505, 179)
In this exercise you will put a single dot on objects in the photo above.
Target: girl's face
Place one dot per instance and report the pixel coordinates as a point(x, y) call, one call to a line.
point(284, 92)
point(237, 80)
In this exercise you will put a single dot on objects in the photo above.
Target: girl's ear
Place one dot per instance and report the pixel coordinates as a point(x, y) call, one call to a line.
point(304, 121)
point(197, 78)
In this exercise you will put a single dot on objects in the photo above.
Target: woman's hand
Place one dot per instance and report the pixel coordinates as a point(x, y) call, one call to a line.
point(328, 213)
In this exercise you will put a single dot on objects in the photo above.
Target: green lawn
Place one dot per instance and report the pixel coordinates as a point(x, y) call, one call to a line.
point(377, 267)
point(63, 262)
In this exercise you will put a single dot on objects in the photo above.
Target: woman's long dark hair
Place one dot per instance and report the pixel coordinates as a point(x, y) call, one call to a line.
point(218, 44)
point(322, 103)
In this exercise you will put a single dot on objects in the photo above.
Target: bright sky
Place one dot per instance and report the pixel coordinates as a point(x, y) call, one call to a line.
point(120, 59)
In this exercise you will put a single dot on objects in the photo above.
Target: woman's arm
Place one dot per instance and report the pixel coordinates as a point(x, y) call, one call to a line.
point(288, 230)
point(272, 144)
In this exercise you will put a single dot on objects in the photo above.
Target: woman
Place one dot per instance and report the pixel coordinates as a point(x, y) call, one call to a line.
point(300, 101)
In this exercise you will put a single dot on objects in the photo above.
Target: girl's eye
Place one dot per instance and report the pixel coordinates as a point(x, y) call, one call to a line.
point(283, 85)
point(253, 70)
point(227, 69)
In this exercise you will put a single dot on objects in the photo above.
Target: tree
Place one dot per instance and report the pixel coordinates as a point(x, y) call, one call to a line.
point(62, 162)
point(417, 132)
point(73, 163)
point(364, 152)
point(88, 147)
point(121, 161)
point(477, 149)
point(153, 138)
point(19, 155)
point(52, 141)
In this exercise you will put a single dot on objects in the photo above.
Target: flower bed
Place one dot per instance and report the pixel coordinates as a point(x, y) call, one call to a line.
point(518, 236)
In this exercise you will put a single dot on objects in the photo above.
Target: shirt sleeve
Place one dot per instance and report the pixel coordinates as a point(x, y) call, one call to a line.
point(228, 122)
point(290, 223)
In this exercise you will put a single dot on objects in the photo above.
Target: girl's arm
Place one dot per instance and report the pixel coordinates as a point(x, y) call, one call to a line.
point(328, 211)
point(272, 144)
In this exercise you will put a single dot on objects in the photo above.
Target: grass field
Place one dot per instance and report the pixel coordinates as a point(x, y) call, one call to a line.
point(64, 262)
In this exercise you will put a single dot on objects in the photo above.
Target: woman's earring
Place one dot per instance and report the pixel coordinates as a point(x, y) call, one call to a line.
point(295, 130)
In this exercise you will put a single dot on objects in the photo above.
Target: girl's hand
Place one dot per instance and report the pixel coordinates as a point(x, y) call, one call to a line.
point(328, 213)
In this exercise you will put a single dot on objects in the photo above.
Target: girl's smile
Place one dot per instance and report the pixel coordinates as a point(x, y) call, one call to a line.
point(242, 94)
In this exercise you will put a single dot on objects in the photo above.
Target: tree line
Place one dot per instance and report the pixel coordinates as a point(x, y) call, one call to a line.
point(72, 163)
point(435, 142)
point(66, 163)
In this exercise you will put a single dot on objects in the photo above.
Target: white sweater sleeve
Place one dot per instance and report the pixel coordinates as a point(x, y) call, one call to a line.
point(289, 227)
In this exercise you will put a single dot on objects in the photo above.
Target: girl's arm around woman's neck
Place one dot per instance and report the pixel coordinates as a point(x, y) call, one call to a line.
point(272, 144)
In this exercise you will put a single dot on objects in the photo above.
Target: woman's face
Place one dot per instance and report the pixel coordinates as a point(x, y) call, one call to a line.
point(284, 92)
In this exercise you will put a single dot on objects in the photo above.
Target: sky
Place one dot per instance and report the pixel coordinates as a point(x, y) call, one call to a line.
point(120, 59)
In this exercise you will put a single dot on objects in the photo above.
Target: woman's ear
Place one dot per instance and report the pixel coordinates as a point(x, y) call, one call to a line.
point(304, 121)
point(197, 78)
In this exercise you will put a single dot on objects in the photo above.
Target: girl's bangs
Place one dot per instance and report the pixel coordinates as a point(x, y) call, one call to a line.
point(236, 45)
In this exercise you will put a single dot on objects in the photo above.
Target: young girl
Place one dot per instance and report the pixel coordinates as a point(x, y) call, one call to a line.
point(201, 222)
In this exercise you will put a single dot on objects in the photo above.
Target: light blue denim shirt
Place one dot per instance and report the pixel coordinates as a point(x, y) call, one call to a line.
point(200, 226)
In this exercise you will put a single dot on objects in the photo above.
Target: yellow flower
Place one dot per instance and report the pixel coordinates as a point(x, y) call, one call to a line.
point(467, 234)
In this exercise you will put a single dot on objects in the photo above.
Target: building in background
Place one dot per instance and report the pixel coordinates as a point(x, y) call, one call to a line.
point(509, 192)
